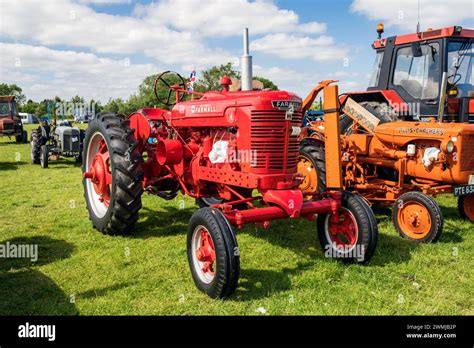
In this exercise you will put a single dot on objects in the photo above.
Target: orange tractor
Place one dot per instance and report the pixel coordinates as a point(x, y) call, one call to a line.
point(408, 137)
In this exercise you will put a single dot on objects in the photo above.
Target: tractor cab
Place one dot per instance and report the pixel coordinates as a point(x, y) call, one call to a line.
point(416, 73)
point(10, 120)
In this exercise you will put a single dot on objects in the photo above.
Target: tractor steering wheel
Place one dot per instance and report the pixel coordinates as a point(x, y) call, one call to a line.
point(171, 81)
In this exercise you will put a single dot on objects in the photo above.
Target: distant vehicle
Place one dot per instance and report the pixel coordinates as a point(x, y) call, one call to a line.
point(27, 118)
point(10, 122)
point(82, 118)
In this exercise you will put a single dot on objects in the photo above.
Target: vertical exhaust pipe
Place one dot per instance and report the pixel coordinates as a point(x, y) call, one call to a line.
point(246, 65)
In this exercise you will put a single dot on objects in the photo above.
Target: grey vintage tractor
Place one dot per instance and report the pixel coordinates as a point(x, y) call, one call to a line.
point(54, 140)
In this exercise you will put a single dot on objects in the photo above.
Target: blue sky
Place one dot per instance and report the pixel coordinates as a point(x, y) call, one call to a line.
point(104, 48)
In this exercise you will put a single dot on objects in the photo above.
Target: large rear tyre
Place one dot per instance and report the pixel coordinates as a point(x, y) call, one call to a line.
point(353, 238)
point(35, 147)
point(213, 253)
point(22, 137)
point(466, 207)
point(312, 164)
point(111, 174)
point(418, 217)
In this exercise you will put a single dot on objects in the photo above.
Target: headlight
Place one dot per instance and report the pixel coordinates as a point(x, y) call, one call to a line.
point(447, 146)
point(450, 146)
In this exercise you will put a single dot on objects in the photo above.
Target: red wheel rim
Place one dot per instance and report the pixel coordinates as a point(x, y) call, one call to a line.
point(204, 254)
point(344, 233)
point(98, 174)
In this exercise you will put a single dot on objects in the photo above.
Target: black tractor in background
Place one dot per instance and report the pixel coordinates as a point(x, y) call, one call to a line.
point(50, 141)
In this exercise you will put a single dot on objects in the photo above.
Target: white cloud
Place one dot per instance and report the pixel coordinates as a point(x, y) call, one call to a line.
point(169, 32)
point(302, 83)
point(226, 17)
point(403, 14)
point(43, 73)
point(62, 22)
point(103, 2)
point(290, 46)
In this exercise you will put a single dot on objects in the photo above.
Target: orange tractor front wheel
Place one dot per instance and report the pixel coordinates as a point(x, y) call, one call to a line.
point(466, 207)
point(417, 217)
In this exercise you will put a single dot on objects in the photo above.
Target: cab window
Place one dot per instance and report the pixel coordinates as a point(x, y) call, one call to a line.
point(418, 75)
point(461, 66)
point(374, 78)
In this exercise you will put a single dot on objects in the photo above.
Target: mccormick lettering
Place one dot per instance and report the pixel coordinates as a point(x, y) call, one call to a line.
point(196, 109)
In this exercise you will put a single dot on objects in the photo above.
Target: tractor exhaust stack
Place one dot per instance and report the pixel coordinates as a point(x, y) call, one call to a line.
point(246, 65)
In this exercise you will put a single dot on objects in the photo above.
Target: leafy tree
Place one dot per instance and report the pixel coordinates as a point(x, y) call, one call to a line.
point(30, 107)
point(12, 89)
point(266, 83)
point(210, 78)
point(77, 100)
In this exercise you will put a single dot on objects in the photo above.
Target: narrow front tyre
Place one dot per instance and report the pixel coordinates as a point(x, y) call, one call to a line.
point(353, 236)
point(213, 253)
point(417, 217)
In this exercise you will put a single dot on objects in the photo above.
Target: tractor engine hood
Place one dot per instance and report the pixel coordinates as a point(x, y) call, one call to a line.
point(401, 133)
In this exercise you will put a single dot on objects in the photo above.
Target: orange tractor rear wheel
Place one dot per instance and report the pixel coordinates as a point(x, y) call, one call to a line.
point(466, 207)
point(312, 164)
point(417, 217)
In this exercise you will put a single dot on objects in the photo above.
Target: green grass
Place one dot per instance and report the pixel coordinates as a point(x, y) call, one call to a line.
point(282, 269)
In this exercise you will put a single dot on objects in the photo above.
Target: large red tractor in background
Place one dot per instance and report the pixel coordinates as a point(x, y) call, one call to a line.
point(241, 147)
point(407, 138)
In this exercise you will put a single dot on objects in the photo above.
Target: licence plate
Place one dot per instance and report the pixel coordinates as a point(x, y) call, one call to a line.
point(464, 190)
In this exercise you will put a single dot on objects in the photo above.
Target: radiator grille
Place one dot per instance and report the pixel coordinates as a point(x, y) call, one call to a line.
point(271, 143)
point(467, 153)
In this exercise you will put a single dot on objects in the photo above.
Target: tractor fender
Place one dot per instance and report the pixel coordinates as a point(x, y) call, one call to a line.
point(312, 141)
point(44, 132)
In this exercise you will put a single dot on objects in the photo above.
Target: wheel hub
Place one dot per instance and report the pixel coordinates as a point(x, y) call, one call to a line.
point(206, 252)
point(414, 219)
point(310, 181)
point(99, 173)
point(344, 232)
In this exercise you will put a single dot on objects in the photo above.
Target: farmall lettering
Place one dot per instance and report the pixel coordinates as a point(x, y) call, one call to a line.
point(199, 109)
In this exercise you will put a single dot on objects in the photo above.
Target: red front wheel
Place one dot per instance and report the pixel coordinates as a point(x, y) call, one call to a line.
point(352, 236)
point(213, 253)
point(111, 174)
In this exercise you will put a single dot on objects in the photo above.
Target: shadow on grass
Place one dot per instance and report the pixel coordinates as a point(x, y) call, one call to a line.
point(302, 239)
point(4, 166)
point(101, 292)
point(62, 162)
point(168, 221)
point(256, 283)
point(5, 143)
point(26, 291)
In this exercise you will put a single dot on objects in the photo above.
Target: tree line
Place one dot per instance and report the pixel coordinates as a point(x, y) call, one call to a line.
point(207, 80)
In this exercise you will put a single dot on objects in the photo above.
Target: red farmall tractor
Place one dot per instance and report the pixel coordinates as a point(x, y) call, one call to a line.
point(188, 149)
point(407, 138)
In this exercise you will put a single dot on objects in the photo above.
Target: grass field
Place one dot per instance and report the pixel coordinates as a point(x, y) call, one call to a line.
point(284, 272)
